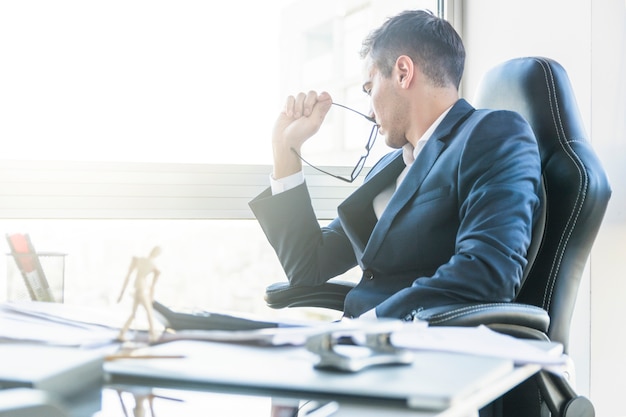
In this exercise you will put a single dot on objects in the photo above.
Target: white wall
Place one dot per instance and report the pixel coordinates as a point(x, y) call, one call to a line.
point(588, 38)
point(608, 262)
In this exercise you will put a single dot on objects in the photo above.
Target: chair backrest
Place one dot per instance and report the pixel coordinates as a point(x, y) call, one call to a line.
point(576, 187)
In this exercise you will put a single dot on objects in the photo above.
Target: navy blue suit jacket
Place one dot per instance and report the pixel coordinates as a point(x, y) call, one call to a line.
point(457, 229)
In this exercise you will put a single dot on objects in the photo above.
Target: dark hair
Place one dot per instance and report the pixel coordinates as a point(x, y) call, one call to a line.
point(431, 42)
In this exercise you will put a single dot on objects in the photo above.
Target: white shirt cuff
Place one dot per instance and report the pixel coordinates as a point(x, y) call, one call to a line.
point(369, 315)
point(286, 183)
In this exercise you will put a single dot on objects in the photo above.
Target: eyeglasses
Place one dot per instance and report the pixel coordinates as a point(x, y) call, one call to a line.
point(361, 163)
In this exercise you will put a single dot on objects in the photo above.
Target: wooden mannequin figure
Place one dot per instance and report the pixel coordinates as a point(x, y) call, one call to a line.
point(144, 290)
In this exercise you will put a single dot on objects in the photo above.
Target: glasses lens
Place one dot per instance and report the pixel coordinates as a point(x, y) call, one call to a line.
point(358, 168)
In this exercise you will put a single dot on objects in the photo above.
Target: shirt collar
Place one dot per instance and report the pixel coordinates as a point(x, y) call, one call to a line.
point(409, 153)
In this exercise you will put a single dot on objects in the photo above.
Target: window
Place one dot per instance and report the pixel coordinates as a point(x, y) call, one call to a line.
point(142, 97)
point(180, 82)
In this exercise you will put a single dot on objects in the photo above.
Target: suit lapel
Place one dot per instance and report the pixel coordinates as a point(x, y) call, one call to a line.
point(356, 212)
point(407, 190)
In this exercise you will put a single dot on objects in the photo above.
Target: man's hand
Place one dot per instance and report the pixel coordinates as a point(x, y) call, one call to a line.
point(300, 119)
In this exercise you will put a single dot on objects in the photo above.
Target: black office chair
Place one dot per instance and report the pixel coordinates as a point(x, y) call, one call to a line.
point(576, 194)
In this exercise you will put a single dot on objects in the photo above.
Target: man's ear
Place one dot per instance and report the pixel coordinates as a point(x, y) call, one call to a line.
point(405, 71)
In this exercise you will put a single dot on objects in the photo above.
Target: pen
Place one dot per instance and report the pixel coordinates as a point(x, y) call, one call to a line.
point(131, 356)
point(323, 410)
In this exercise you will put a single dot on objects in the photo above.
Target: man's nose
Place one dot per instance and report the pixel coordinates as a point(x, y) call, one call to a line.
point(371, 116)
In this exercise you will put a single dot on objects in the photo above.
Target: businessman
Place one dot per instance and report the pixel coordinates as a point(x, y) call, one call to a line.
point(444, 218)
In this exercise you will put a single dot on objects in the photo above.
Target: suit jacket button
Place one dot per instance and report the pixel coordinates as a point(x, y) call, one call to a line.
point(368, 274)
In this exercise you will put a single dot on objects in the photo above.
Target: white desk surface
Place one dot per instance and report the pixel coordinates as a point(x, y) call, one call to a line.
point(436, 384)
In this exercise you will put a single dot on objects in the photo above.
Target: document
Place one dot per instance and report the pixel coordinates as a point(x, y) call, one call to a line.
point(57, 324)
point(479, 341)
point(66, 325)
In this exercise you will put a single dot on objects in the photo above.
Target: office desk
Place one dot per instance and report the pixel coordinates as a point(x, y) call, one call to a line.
point(123, 400)
point(118, 400)
point(230, 401)
point(170, 387)
point(437, 384)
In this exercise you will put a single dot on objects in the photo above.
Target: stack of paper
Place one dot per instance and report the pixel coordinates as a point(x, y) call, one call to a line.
point(56, 324)
point(479, 341)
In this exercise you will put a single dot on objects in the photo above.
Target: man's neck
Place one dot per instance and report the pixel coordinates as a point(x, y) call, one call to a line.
point(428, 111)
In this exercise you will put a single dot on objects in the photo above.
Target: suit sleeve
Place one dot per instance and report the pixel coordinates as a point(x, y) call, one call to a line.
point(309, 254)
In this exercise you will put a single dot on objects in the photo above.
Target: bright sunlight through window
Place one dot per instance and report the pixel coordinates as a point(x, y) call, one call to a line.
point(174, 81)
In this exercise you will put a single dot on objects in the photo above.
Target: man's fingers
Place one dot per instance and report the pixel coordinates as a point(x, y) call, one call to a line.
point(310, 101)
point(322, 105)
point(298, 108)
point(289, 104)
point(303, 105)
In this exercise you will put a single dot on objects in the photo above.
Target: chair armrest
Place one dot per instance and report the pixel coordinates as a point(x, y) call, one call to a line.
point(328, 295)
point(519, 320)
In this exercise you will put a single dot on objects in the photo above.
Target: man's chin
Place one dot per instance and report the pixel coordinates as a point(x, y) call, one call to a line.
point(394, 144)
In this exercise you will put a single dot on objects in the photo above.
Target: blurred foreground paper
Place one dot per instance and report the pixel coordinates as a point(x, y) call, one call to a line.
point(480, 341)
point(57, 324)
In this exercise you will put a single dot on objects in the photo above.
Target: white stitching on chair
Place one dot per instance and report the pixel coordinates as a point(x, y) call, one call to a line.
point(564, 142)
point(440, 317)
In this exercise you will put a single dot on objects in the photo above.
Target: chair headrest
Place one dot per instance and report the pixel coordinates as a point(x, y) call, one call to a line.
point(540, 90)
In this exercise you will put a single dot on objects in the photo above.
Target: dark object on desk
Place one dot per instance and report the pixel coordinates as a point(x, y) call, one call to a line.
point(29, 266)
point(205, 320)
point(576, 194)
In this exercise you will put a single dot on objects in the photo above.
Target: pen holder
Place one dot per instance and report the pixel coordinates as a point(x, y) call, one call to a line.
point(36, 276)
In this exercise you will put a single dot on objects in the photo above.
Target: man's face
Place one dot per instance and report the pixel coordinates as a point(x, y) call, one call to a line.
point(386, 106)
